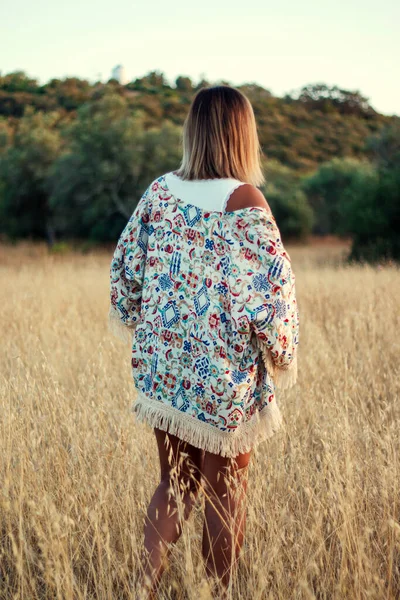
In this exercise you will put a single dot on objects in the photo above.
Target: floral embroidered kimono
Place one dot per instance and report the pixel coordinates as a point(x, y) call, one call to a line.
point(207, 301)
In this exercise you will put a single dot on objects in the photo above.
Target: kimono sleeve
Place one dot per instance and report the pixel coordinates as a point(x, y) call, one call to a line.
point(274, 309)
point(127, 273)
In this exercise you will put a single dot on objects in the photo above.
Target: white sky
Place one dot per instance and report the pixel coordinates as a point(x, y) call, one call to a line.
point(281, 46)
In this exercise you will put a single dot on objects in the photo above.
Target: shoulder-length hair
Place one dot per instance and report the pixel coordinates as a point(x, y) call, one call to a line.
point(219, 137)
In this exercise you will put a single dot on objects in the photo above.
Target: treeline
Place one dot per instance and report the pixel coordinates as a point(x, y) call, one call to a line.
point(301, 130)
point(75, 158)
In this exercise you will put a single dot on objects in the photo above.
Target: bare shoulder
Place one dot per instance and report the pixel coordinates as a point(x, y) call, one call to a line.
point(246, 196)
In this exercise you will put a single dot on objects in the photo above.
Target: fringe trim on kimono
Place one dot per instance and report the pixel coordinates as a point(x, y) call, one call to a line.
point(282, 378)
point(262, 425)
point(118, 328)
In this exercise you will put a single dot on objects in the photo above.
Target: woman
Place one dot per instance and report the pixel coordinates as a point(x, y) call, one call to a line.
point(202, 285)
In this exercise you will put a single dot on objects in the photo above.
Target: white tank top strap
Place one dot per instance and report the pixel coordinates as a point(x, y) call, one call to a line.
point(207, 194)
point(234, 184)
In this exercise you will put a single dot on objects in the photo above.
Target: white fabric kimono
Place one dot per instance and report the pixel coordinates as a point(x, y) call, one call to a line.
point(208, 301)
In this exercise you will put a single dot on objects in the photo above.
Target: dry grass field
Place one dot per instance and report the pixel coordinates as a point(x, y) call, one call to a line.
point(77, 472)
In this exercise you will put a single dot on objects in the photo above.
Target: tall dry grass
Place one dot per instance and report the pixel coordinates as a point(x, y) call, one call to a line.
point(77, 472)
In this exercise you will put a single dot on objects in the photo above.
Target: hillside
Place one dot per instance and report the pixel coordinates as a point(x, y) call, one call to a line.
point(301, 130)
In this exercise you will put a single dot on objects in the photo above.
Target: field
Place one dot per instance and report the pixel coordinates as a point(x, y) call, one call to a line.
point(77, 472)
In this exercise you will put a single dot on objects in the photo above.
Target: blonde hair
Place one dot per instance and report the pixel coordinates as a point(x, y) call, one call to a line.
point(219, 137)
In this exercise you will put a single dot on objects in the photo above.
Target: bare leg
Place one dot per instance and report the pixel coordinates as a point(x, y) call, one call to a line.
point(169, 507)
point(225, 516)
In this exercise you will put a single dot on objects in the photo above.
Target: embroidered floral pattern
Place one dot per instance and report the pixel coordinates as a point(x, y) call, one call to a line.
point(210, 300)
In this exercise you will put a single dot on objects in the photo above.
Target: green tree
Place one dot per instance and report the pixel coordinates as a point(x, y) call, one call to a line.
point(184, 84)
point(326, 187)
point(372, 212)
point(371, 206)
point(152, 83)
point(24, 169)
point(328, 98)
point(362, 199)
point(288, 202)
point(384, 146)
point(110, 161)
point(70, 93)
point(5, 135)
point(18, 81)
